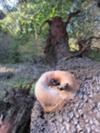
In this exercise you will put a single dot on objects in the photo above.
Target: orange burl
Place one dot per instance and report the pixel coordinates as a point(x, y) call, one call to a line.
point(50, 97)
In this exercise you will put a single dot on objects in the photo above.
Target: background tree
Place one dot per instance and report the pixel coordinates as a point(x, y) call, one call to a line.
point(24, 19)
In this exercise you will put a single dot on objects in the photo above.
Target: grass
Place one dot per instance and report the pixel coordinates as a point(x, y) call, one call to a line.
point(15, 83)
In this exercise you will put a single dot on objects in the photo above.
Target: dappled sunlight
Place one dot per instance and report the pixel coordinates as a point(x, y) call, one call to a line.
point(4, 69)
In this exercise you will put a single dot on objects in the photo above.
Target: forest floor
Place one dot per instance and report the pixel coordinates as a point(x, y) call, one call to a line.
point(16, 75)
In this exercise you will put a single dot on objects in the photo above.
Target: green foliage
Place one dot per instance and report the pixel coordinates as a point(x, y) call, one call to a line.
point(15, 51)
point(81, 25)
point(9, 49)
point(95, 54)
point(18, 83)
point(24, 22)
point(29, 16)
point(14, 55)
point(73, 44)
point(33, 87)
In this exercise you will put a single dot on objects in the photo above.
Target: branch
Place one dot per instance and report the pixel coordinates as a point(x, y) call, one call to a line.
point(76, 54)
point(91, 38)
point(72, 14)
point(83, 49)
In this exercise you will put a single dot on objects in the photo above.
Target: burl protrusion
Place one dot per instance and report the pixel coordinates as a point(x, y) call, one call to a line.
point(55, 88)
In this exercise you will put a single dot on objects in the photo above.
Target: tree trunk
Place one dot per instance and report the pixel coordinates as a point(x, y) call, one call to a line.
point(81, 114)
point(57, 41)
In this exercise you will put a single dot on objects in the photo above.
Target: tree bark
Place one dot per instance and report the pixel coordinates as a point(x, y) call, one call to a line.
point(15, 111)
point(57, 40)
point(57, 43)
point(80, 114)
